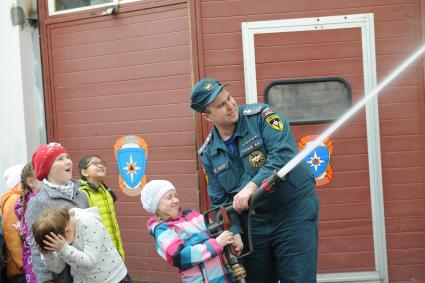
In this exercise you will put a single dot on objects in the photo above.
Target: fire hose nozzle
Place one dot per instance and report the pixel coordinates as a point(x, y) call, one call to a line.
point(238, 272)
point(268, 185)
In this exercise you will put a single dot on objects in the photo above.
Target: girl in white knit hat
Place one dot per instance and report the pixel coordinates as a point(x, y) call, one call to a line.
point(181, 236)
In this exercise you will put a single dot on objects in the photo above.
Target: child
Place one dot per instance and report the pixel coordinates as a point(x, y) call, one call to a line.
point(78, 237)
point(53, 166)
point(30, 186)
point(14, 271)
point(181, 237)
point(92, 171)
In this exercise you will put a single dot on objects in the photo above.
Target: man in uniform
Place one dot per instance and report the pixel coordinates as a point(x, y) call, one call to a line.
point(246, 144)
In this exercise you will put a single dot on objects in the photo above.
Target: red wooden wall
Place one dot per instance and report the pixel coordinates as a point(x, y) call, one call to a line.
point(126, 74)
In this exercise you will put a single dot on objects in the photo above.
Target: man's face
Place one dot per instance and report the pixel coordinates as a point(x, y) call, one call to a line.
point(223, 111)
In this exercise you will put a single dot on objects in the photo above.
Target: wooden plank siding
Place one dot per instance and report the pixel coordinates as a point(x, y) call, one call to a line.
point(346, 242)
point(120, 75)
point(130, 73)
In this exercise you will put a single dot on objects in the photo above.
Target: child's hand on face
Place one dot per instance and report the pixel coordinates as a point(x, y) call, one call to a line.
point(225, 238)
point(54, 242)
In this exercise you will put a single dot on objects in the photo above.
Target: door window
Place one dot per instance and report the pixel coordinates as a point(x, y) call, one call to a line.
point(67, 6)
point(303, 101)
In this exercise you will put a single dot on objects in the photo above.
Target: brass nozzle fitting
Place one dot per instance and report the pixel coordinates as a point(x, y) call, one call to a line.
point(238, 271)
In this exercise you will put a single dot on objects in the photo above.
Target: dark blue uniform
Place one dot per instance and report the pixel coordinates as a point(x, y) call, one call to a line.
point(285, 226)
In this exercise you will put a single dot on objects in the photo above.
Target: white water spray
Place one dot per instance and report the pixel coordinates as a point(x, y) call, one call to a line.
point(312, 145)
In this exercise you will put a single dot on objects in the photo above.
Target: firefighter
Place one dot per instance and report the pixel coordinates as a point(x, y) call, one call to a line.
point(246, 144)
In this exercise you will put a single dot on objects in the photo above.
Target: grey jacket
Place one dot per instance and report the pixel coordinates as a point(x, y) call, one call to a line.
point(50, 198)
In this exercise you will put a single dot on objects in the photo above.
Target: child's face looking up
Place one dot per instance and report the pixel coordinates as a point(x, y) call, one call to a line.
point(96, 169)
point(169, 204)
point(61, 171)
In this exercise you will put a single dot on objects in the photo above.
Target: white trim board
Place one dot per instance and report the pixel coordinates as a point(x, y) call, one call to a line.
point(366, 23)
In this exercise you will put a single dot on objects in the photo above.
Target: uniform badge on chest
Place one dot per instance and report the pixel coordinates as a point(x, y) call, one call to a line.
point(256, 159)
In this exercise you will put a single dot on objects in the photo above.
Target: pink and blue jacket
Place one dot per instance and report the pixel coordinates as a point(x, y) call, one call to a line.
point(185, 244)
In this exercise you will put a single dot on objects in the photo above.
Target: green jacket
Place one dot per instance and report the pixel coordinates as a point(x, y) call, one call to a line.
point(102, 198)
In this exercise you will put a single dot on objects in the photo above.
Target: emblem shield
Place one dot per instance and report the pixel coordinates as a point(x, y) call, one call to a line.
point(318, 161)
point(131, 153)
point(131, 165)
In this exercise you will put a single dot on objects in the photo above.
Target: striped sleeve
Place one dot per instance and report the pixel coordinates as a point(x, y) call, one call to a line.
point(177, 253)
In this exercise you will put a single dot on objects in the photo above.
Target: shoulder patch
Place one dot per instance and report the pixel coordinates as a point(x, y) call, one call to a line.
point(206, 142)
point(252, 109)
point(273, 119)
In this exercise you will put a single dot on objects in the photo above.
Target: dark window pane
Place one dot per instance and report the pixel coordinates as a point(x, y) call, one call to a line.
point(310, 100)
point(61, 5)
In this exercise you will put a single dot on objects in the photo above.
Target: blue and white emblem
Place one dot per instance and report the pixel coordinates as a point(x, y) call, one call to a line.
point(131, 165)
point(318, 160)
point(131, 153)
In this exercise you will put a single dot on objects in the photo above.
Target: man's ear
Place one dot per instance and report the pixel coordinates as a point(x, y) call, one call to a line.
point(206, 116)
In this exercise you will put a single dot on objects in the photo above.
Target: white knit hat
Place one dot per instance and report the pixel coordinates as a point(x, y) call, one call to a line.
point(12, 175)
point(152, 192)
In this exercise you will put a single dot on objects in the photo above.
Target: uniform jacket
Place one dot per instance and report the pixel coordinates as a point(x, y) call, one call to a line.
point(26, 237)
point(46, 198)
point(92, 256)
point(11, 234)
point(264, 143)
point(102, 198)
point(184, 243)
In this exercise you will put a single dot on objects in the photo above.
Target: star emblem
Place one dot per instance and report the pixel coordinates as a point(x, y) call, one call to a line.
point(315, 161)
point(131, 168)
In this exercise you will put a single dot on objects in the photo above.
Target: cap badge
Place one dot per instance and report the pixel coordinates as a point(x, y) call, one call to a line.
point(208, 86)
